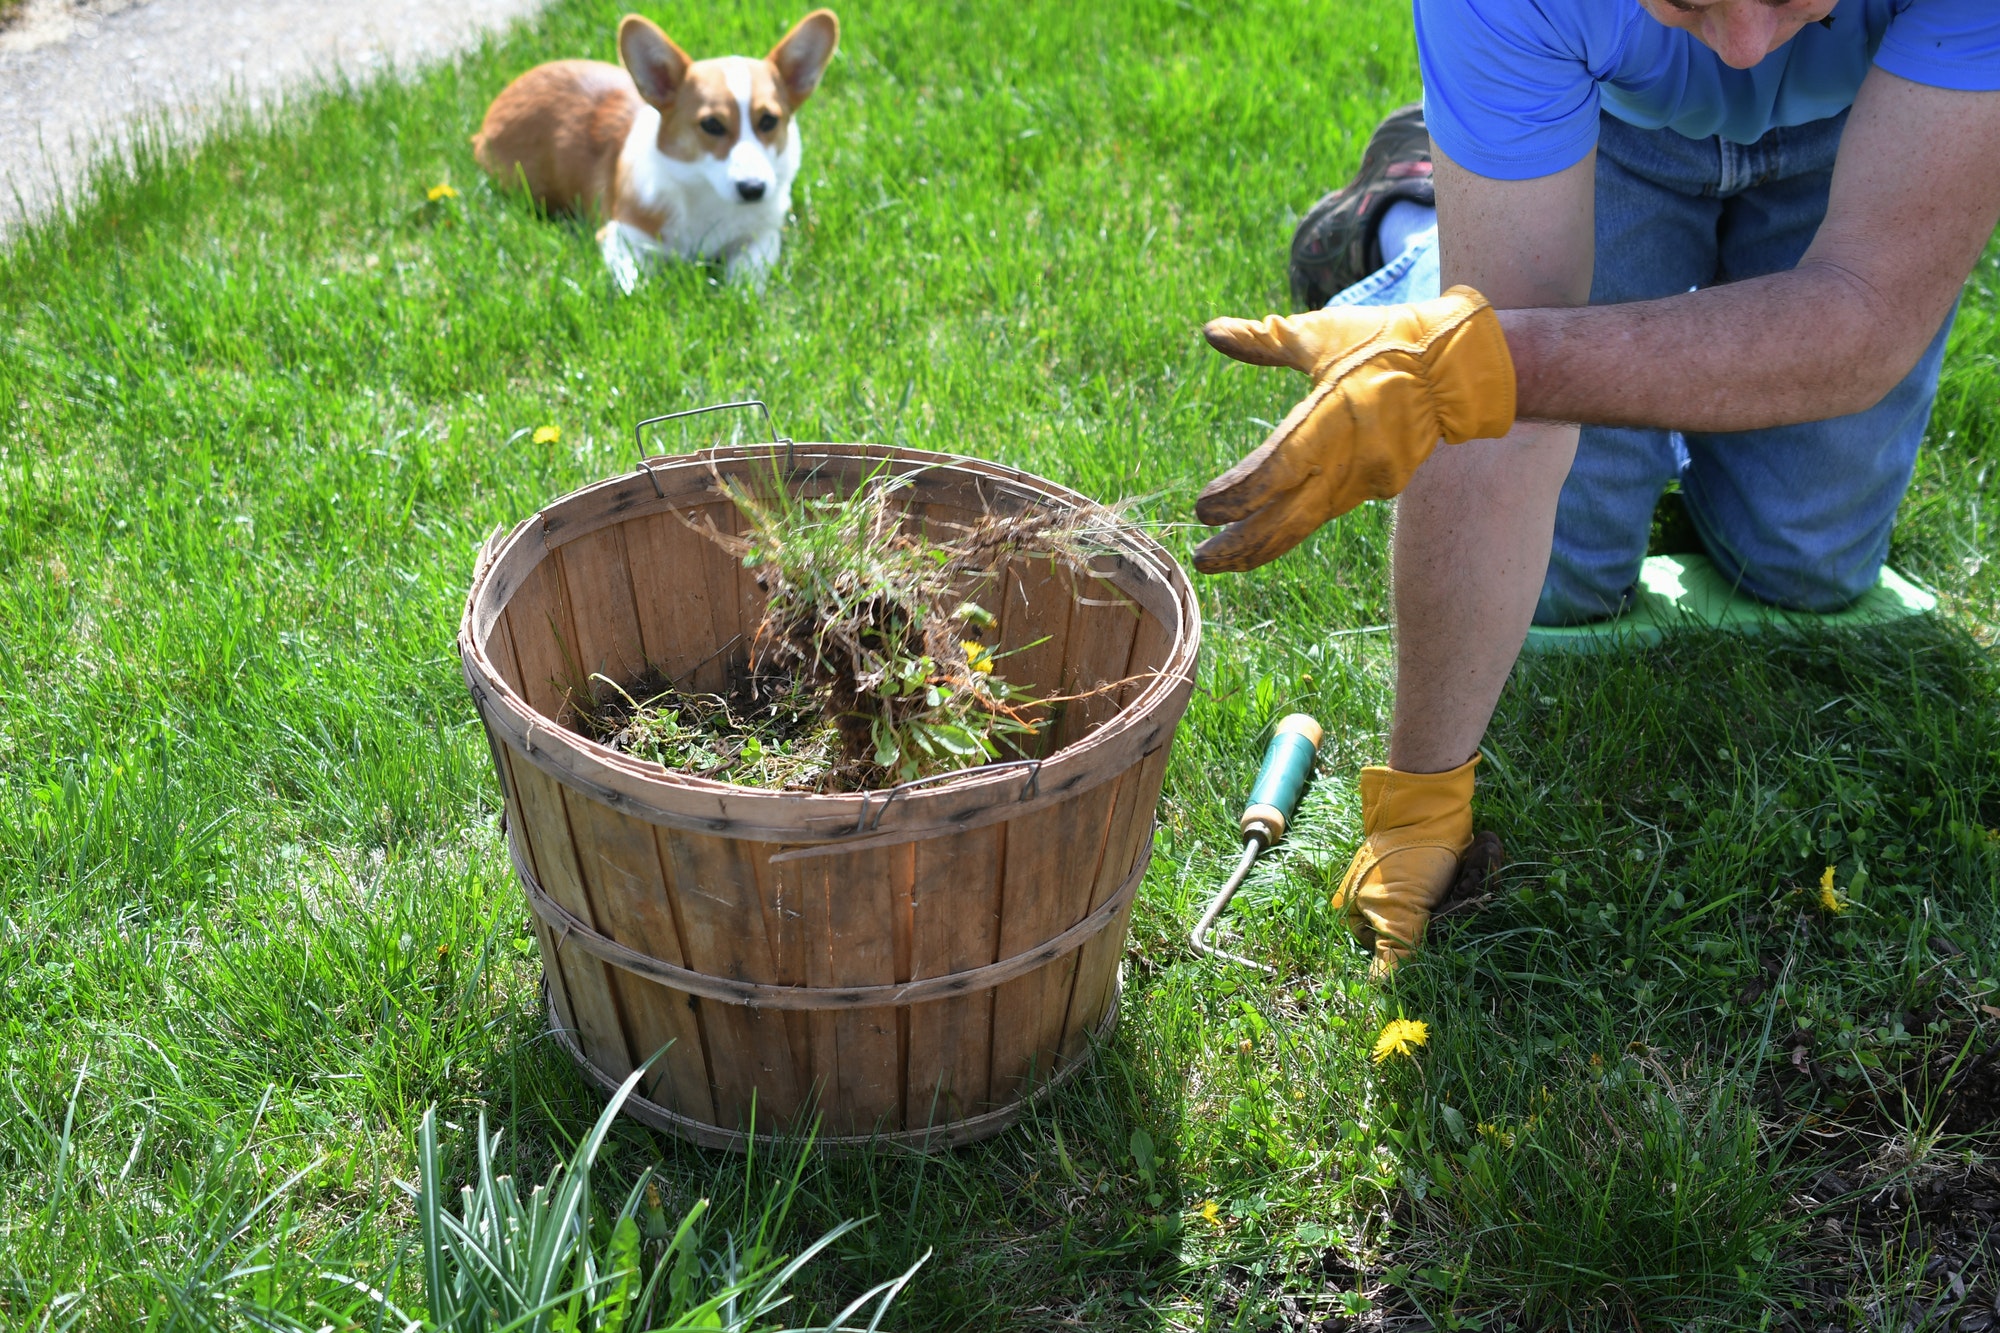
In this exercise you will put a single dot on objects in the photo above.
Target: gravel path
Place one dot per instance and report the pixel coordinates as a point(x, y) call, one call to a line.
point(75, 73)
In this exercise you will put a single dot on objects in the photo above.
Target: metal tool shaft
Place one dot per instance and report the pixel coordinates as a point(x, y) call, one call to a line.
point(1220, 904)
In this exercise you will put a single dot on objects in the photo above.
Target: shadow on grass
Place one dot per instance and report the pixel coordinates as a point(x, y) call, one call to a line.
point(1749, 934)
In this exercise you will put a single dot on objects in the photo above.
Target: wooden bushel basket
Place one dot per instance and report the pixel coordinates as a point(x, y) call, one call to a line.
point(910, 964)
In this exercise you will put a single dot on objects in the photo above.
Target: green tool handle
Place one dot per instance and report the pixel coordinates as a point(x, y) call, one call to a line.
point(1288, 762)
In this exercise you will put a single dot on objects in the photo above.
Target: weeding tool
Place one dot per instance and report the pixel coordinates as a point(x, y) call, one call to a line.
point(1274, 798)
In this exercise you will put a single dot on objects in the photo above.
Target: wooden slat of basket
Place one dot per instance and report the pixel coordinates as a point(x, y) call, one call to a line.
point(544, 833)
point(553, 979)
point(955, 926)
point(942, 522)
point(785, 927)
point(1102, 627)
point(501, 568)
point(670, 588)
point(512, 820)
point(1052, 862)
point(597, 577)
point(620, 861)
point(500, 648)
point(728, 605)
point(852, 908)
point(538, 621)
point(725, 934)
point(1112, 869)
point(1152, 647)
point(1097, 961)
point(1035, 605)
point(1097, 989)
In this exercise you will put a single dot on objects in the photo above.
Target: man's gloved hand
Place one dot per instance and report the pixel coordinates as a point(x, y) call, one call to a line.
point(1388, 383)
point(1417, 850)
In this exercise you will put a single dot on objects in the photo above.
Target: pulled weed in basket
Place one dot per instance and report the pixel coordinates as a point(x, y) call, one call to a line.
point(876, 660)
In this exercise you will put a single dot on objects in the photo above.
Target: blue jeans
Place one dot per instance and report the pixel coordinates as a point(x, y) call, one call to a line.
point(1798, 516)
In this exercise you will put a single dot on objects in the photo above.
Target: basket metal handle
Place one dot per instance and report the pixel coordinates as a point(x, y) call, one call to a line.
point(639, 440)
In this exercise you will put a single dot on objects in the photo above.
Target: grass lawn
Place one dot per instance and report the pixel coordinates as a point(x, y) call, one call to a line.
point(263, 400)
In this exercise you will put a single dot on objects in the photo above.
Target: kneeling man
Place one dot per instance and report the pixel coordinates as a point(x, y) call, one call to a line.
point(1725, 236)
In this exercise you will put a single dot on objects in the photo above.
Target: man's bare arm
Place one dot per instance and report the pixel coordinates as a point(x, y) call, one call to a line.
point(1916, 194)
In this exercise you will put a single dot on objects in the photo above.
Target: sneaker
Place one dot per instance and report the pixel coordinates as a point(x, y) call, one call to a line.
point(1336, 244)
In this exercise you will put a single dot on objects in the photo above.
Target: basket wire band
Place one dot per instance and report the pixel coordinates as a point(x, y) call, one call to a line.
point(567, 927)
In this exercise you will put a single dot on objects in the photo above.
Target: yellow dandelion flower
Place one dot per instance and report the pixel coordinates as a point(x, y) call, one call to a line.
point(547, 434)
point(1503, 1137)
point(440, 191)
point(1829, 897)
point(1211, 1213)
point(977, 656)
point(1400, 1036)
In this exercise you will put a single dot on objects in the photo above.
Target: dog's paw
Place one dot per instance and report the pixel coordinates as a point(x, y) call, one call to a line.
point(621, 256)
point(753, 263)
point(624, 271)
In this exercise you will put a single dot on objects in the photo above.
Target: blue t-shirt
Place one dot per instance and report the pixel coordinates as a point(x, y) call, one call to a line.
point(1512, 88)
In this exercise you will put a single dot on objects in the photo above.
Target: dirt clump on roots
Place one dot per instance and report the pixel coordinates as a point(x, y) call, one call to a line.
point(876, 660)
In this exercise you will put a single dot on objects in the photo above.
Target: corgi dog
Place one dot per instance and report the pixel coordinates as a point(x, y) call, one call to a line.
point(681, 157)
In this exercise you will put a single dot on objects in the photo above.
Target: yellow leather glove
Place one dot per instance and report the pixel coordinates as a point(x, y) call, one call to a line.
point(1415, 827)
point(1388, 383)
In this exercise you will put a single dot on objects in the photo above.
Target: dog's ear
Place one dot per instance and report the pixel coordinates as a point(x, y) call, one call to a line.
point(651, 58)
point(801, 57)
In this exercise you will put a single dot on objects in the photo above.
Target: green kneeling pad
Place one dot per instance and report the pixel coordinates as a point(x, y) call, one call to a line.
point(1686, 592)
